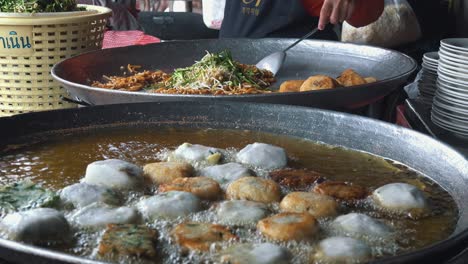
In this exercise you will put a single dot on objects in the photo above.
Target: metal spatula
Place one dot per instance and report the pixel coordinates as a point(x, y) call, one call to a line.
point(274, 61)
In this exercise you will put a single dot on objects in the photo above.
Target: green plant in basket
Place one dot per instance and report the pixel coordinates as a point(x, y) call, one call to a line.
point(38, 6)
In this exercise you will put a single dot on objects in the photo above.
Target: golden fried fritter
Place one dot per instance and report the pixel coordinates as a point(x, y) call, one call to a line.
point(199, 236)
point(370, 79)
point(315, 204)
point(318, 82)
point(203, 187)
point(166, 172)
point(296, 179)
point(341, 190)
point(289, 226)
point(350, 78)
point(254, 189)
point(291, 86)
point(128, 240)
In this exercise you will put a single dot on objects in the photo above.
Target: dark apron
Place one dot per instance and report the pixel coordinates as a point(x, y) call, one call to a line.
point(269, 18)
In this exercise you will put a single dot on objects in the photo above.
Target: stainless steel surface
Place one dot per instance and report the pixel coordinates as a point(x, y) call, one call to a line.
point(274, 61)
point(434, 159)
point(310, 57)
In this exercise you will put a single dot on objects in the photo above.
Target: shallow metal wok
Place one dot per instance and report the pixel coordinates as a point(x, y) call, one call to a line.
point(311, 57)
point(432, 158)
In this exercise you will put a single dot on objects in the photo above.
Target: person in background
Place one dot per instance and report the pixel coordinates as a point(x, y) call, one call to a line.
point(295, 18)
point(124, 13)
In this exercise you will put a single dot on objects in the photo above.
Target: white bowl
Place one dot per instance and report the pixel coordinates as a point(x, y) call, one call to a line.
point(429, 68)
point(456, 104)
point(455, 76)
point(453, 122)
point(454, 94)
point(453, 87)
point(431, 56)
point(456, 43)
point(454, 52)
point(449, 128)
point(460, 70)
point(452, 82)
point(440, 102)
point(431, 63)
point(453, 111)
point(454, 97)
point(453, 64)
point(450, 123)
point(443, 111)
point(453, 57)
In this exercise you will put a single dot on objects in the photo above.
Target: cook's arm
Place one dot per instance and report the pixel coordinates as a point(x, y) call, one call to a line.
point(363, 13)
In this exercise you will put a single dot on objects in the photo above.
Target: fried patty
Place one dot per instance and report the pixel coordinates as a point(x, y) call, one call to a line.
point(128, 240)
point(203, 187)
point(317, 205)
point(289, 226)
point(319, 82)
point(350, 78)
point(295, 179)
point(254, 189)
point(341, 190)
point(166, 172)
point(200, 236)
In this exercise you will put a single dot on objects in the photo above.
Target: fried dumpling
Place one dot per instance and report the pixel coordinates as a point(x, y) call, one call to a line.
point(169, 205)
point(318, 82)
point(291, 86)
point(39, 226)
point(350, 78)
point(114, 173)
point(263, 156)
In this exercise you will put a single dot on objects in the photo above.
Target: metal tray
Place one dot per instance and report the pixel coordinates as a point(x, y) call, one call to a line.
point(311, 57)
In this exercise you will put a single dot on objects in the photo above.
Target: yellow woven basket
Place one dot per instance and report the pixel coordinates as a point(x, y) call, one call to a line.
point(30, 44)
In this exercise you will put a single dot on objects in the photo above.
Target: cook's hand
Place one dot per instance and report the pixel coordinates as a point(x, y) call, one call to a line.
point(335, 11)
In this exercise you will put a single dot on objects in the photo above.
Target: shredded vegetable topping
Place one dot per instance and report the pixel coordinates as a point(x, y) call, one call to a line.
point(215, 73)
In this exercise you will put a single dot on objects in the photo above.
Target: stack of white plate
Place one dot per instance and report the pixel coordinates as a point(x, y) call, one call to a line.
point(427, 82)
point(450, 104)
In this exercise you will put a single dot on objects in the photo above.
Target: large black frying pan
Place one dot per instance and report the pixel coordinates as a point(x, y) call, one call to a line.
point(432, 158)
point(311, 57)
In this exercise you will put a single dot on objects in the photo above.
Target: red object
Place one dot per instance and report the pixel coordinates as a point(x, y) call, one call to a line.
point(400, 117)
point(115, 39)
point(365, 11)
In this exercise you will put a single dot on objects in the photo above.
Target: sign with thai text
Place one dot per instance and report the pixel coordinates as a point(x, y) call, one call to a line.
point(16, 40)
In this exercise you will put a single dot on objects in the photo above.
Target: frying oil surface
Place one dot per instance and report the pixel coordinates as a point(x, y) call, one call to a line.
point(61, 161)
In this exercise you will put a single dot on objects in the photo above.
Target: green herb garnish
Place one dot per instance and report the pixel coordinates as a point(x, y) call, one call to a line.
point(215, 71)
point(38, 6)
point(25, 195)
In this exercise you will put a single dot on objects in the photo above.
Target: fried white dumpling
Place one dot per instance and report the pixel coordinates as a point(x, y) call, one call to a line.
point(226, 173)
point(83, 194)
point(99, 215)
point(400, 198)
point(342, 250)
point(114, 173)
point(197, 153)
point(238, 212)
point(264, 253)
point(37, 226)
point(171, 204)
point(263, 156)
point(361, 225)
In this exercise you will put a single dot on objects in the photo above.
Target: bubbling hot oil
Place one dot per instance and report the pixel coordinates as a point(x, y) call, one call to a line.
point(56, 163)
